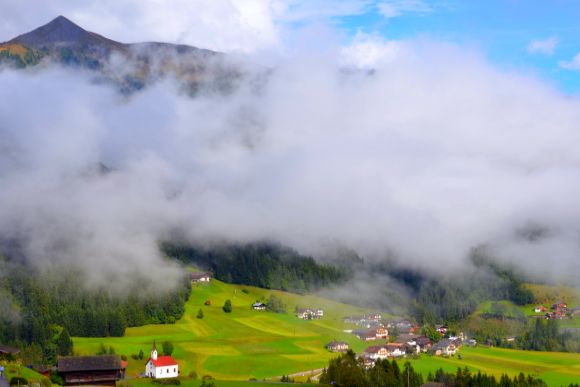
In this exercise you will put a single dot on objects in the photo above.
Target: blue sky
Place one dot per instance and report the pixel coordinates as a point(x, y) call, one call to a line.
point(503, 31)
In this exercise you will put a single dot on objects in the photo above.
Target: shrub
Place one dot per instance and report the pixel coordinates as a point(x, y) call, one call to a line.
point(56, 379)
point(227, 306)
point(166, 382)
point(167, 348)
point(18, 381)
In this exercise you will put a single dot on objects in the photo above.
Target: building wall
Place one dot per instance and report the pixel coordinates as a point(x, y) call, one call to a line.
point(166, 372)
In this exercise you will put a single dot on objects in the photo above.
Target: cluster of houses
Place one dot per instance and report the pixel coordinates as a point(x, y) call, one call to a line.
point(410, 344)
point(374, 327)
point(558, 310)
point(405, 344)
point(309, 314)
point(407, 340)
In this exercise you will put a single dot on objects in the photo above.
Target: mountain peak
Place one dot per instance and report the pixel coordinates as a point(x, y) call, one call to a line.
point(62, 21)
point(60, 30)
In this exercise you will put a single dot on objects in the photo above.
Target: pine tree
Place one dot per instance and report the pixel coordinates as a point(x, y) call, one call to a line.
point(227, 306)
point(64, 343)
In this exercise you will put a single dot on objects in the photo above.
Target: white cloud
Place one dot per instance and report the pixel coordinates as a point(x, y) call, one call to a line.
point(430, 155)
point(369, 51)
point(543, 46)
point(573, 64)
point(394, 8)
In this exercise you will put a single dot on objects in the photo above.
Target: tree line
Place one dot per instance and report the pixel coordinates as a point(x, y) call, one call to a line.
point(53, 307)
point(348, 370)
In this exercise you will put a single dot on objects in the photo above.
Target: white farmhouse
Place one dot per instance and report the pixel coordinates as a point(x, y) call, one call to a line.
point(159, 367)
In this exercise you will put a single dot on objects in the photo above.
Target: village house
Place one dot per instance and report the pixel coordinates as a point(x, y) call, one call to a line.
point(442, 329)
point(366, 335)
point(406, 338)
point(415, 343)
point(559, 311)
point(403, 326)
point(555, 315)
point(367, 361)
point(200, 277)
point(393, 350)
point(381, 333)
point(309, 314)
point(161, 367)
point(559, 305)
point(258, 306)
point(540, 309)
point(6, 351)
point(396, 349)
point(373, 316)
point(337, 346)
point(90, 370)
point(375, 352)
point(445, 347)
point(363, 321)
point(424, 343)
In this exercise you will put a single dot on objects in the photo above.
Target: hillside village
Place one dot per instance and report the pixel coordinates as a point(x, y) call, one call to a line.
point(405, 339)
point(385, 336)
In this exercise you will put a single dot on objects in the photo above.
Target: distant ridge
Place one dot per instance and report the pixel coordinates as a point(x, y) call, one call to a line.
point(62, 31)
point(65, 43)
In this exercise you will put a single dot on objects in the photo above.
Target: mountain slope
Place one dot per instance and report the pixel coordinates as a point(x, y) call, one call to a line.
point(129, 66)
point(62, 31)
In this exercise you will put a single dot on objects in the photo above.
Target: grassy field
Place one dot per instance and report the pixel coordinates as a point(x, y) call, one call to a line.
point(248, 344)
point(556, 369)
point(218, 383)
point(33, 377)
point(242, 344)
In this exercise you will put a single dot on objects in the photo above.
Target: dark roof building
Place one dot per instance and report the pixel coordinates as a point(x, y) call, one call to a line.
point(5, 350)
point(95, 370)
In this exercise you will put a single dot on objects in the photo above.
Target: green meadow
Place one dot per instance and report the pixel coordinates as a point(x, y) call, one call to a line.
point(555, 368)
point(239, 345)
point(34, 378)
point(250, 344)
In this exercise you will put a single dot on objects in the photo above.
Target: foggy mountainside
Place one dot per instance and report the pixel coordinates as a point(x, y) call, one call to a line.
point(424, 185)
point(42, 309)
point(272, 191)
point(265, 265)
point(130, 67)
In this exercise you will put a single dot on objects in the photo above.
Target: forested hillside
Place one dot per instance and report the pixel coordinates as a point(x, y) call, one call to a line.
point(42, 311)
point(265, 265)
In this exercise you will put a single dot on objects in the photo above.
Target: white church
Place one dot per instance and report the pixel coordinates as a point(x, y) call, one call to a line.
point(159, 367)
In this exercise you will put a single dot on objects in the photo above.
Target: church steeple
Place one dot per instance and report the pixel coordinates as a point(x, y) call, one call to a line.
point(154, 351)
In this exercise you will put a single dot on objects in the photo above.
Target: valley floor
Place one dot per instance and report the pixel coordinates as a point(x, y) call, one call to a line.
point(248, 344)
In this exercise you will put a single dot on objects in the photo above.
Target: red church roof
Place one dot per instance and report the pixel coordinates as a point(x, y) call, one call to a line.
point(164, 361)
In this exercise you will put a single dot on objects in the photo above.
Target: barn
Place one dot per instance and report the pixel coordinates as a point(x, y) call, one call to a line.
point(90, 370)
